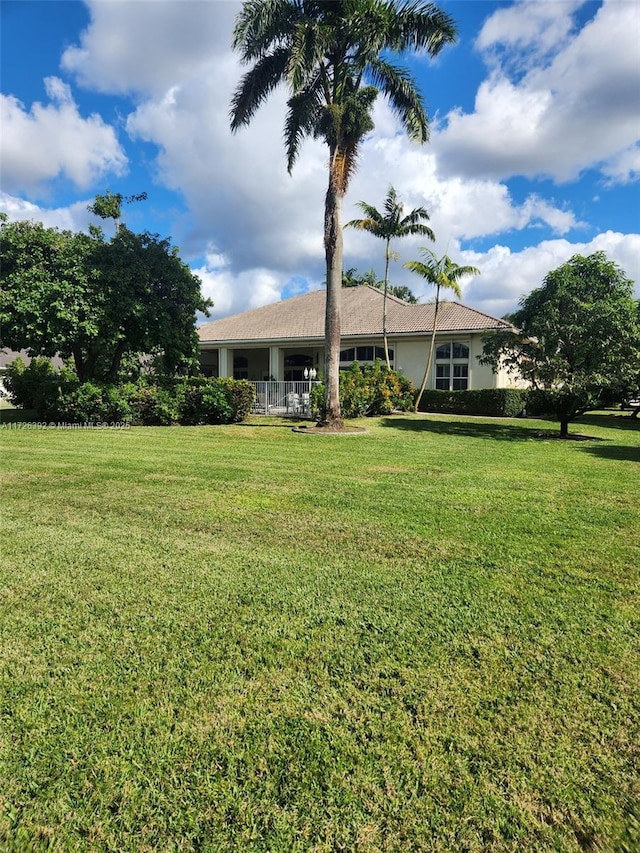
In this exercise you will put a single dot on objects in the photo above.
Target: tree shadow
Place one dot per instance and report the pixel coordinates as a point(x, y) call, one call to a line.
point(613, 420)
point(500, 431)
point(614, 451)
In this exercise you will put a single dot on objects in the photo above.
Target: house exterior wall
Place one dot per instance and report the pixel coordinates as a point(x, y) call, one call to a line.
point(410, 357)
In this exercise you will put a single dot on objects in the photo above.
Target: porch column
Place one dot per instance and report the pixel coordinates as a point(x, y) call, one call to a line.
point(223, 362)
point(274, 362)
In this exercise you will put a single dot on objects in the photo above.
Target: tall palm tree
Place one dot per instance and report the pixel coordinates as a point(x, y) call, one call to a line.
point(390, 225)
point(334, 57)
point(443, 273)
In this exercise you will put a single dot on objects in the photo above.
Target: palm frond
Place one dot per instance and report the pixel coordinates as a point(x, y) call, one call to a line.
point(261, 25)
point(256, 85)
point(304, 113)
point(417, 25)
point(404, 97)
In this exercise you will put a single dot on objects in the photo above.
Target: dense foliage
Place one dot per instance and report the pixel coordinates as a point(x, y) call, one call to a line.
point(97, 301)
point(367, 391)
point(579, 338)
point(494, 402)
point(58, 396)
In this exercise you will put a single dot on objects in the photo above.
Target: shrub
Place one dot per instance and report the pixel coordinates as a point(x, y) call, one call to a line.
point(36, 385)
point(367, 391)
point(151, 405)
point(491, 402)
point(242, 396)
point(203, 401)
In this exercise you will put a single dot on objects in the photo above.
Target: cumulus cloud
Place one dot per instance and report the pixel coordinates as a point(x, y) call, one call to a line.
point(233, 292)
point(54, 140)
point(74, 217)
point(508, 276)
point(148, 46)
point(575, 107)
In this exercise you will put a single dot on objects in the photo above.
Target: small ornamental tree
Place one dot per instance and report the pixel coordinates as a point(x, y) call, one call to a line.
point(578, 338)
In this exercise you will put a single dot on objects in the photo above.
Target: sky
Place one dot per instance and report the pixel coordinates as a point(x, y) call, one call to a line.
point(534, 151)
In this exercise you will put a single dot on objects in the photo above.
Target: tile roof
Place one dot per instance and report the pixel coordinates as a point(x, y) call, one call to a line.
point(302, 317)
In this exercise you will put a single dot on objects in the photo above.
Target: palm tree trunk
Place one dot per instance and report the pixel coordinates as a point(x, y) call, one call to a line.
point(333, 255)
point(431, 349)
point(384, 308)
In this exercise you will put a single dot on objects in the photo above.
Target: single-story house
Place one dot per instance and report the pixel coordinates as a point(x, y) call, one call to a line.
point(278, 341)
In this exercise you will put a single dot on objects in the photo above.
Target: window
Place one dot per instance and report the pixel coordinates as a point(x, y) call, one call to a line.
point(443, 372)
point(365, 354)
point(452, 366)
point(298, 360)
point(460, 377)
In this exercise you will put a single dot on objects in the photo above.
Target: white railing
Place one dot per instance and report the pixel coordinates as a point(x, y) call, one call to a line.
point(283, 399)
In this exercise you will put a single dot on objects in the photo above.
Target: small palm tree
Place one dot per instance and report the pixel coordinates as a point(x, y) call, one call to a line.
point(388, 226)
point(334, 56)
point(443, 273)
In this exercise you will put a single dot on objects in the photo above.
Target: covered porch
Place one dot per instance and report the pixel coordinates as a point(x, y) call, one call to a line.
point(283, 398)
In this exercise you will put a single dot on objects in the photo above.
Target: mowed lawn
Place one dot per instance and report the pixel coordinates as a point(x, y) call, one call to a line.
point(425, 638)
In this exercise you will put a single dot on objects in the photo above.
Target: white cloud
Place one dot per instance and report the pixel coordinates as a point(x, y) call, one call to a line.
point(148, 46)
point(508, 276)
point(53, 140)
point(234, 292)
point(573, 111)
point(75, 217)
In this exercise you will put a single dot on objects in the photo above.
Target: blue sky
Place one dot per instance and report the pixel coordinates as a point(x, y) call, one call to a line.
point(534, 153)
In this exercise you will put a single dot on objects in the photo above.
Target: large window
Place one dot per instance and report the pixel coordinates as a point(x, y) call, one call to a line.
point(452, 366)
point(365, 354)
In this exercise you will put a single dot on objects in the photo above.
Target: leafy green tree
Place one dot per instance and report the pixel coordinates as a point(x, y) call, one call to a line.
point(401, 291)
point(390, 225)
point(109, 205)
point(352, 278)
point(577, 338)
point(443, 273)
point(97, 302)
point(334, 57)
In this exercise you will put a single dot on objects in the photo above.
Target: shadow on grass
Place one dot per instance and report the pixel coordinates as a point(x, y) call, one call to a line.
point(499, 430)
point(611, 451)
point(613, 420)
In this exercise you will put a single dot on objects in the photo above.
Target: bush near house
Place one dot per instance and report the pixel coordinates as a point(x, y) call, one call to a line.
point(367, 392)
point(149, 401)
point(492, 402)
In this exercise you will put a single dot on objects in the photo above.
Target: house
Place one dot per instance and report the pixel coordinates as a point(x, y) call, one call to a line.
point(280, 340)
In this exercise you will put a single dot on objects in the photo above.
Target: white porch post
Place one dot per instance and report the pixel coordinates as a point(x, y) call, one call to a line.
point(274, 362)
point(223, 362)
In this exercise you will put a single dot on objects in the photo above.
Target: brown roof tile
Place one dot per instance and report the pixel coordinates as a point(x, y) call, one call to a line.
point(303, 317)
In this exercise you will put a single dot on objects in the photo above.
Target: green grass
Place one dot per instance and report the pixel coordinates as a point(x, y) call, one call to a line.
point(425, 638)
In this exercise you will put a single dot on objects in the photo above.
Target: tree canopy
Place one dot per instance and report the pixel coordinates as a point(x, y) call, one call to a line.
point(334, 56)
point(96, 301)
point(577, 337)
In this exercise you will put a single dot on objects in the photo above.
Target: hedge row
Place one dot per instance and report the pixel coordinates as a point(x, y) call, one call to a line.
point(58, 396)
point(492, 402)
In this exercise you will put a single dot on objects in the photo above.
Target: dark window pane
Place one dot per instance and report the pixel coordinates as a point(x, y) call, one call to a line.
point(348, 354)
point(443, 351)
point(298, 360)
point(365, 354)
point(240, 361)
point(460, 350)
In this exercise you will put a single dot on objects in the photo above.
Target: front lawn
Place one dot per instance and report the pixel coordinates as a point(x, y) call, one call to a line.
point(424, 638)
